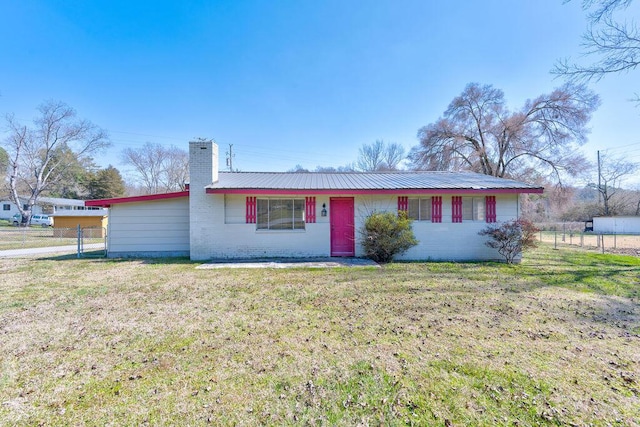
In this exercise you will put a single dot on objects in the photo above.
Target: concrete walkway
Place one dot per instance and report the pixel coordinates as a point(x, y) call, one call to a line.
point(215, 264)
point(28, 252)
point(290, 263)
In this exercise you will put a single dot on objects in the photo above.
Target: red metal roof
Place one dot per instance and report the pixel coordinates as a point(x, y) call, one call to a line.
point(365, 182)
point(345, 183)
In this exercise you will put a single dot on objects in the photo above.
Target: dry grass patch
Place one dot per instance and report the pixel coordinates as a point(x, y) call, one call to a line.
point(552, 341)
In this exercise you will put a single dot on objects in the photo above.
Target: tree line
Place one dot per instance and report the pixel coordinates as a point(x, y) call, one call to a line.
point(539, 142)
point(54, 156)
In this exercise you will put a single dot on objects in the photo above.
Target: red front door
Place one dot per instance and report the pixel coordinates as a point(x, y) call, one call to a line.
point(343, 242)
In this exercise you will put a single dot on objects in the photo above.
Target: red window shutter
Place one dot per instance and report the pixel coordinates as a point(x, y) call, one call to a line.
point(490, 203)
point(310, 209)
point(456, 209)
point(436, 209)
point(403, 204)
point(251, 210)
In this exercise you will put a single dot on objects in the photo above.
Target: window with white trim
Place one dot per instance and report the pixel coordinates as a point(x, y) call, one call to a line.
point(420, 209)
point(280, 214)
point(473, 208)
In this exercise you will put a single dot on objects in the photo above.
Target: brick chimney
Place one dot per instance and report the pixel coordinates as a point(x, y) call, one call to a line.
point(203, 171)
point(203, 164)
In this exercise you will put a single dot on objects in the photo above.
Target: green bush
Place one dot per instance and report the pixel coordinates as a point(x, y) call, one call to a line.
point(385, 235)
point(511, 238)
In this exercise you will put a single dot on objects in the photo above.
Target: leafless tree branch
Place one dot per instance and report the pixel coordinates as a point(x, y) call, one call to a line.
point(479, 133)
point(33, 163)
point(380, 156)
point(159, 169)
point(613, 45)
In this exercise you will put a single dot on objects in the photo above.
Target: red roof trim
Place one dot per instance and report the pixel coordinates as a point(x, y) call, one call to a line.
point(263, 191)
point(149, 197)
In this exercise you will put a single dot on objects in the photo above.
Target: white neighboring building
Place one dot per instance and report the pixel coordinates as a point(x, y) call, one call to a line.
point(616, 224)
point(8, 209)
point(49, 206)
point(239, 215)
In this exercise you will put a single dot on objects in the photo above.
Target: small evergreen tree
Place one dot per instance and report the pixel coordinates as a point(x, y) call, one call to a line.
point(511, 238)
point(105, 184)
point(4, 163)
point(385, 235)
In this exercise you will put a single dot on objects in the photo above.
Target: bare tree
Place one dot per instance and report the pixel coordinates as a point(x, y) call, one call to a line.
point(479, 133)
point(393, 155)
point(159, 169)
point(147, 162)
point(370, 156)
point(551, 205)
point(298, 169)
point(380, 156)
point(614, 45)
point(176, 169)
point(350, 167)
point(613, 171)
point(34, 165)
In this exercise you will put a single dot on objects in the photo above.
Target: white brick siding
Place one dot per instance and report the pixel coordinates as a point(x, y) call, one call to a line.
point(225, 234)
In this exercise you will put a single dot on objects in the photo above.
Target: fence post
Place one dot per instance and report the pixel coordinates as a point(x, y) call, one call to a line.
point(79, 240)
point(555, 239)
point(602, 238)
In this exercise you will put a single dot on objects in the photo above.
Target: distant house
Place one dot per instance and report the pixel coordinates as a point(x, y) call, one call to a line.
point(226, 215)
point(92, 222)
point(9, 209)
point(52, 206)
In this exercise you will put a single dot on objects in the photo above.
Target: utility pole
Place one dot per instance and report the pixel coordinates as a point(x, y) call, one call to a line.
point(230, 157)
point(599, 179)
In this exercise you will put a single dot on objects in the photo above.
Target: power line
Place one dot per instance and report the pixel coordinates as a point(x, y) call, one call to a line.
point(252, 149)
point(146, 135)
point(623, 146)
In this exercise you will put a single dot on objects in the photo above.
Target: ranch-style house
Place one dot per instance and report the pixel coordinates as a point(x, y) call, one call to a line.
point(243, 215)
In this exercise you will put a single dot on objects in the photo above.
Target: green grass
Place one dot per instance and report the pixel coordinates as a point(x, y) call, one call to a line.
point(605, 274)
point(552, 341)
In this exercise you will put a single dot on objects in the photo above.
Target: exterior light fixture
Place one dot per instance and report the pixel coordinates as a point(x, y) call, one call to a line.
point(323, 212)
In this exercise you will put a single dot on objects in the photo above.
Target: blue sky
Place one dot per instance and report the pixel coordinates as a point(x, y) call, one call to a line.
point(291, 82)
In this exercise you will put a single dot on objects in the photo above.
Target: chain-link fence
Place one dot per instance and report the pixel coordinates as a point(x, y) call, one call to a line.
point(85, 239)
point(573, 234)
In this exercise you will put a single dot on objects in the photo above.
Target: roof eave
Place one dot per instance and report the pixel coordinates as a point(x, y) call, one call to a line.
point(306, 191)
point(106, 203)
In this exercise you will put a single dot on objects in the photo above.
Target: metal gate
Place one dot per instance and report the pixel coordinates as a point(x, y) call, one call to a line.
point(92, 242)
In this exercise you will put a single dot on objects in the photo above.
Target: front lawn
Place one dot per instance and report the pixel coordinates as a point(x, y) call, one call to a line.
point(552, 341)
